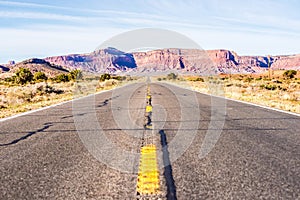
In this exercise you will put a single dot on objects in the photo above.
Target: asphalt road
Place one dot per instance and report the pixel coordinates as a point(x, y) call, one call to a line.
point(257, 156)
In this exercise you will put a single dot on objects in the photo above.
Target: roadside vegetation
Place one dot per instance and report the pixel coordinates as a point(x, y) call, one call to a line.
point(281, 91)
point(26, 91)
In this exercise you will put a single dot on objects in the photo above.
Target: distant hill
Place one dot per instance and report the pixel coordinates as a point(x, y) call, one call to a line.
point(35, 65)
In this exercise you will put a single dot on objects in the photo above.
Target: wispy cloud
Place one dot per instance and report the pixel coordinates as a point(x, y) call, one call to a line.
point(23, 4)
point(83, 11)
point(243, 26)
point(40, 15)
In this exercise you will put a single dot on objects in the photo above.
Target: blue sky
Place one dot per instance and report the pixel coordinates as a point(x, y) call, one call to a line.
point(37, 28)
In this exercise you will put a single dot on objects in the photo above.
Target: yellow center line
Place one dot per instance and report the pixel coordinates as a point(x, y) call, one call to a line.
point(149, 126)
point(148, 176)
point(148, 109)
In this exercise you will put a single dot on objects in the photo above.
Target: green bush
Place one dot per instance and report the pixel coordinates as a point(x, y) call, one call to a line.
point(40, 76)
point(159, 79)
point(290, 73)
point(75, 74)
point(23, 76)
point(104, 77)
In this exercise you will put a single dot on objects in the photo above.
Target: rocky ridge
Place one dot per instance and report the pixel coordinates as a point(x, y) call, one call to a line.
point(111, 60)
point(34, 65)
point(185, 60)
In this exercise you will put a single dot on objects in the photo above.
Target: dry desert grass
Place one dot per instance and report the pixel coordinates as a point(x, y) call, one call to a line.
point(16, 99)
point(278, 92)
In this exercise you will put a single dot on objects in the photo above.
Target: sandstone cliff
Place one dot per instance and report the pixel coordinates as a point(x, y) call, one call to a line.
point(111, 60)
point(185, 60)
point(286, 62)
point(105, 60)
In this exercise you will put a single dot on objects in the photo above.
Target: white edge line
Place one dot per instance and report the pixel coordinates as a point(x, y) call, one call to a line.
point(58, 104)
point(245, 102)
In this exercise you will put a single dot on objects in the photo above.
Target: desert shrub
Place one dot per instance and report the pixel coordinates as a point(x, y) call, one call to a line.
point(62, 78)
point(23, 76)
point(2, 105)
point(290, 73)
point(277, 81)
point(159, 79)
point(89, 79)
point(266, 79)
point(50, 89)
point(119, 78)
point(248, 79)
point(195, 79)
point(40, 76)
point(11, 79)
point(75, 74)
point(44, 88)
point(268, 87)
point(92, 78)
point(281, 88)
point(104, 77)
point(215, 82)
point(262, 86)
point(129, 78)
point(171, 76)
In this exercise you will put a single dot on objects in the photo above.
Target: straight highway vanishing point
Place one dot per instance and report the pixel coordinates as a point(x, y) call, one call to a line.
point(256, 157)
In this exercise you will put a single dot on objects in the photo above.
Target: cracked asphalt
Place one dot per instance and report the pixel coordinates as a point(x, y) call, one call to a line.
point(257, 156)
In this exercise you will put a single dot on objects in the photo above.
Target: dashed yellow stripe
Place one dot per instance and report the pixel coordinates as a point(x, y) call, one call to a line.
point(148, 109)
point(148, 126)
point(148, 176)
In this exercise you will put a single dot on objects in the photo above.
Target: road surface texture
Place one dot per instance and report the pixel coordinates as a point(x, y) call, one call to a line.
point(256, 157)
